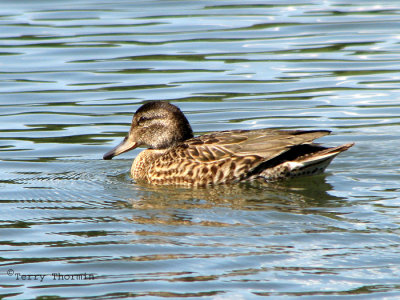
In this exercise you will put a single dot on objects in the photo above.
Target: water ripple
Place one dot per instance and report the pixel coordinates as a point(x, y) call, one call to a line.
point(73, 74)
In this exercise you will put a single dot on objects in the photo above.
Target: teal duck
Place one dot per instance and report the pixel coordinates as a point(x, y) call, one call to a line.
point(175, 157)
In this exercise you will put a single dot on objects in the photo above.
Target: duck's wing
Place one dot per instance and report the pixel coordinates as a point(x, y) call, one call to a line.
point(263, 143)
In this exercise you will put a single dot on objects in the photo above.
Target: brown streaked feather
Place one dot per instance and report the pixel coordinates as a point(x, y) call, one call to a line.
point(266, 143)
point(198, 172)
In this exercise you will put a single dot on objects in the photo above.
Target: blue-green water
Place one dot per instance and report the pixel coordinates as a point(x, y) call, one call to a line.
point(73, 72)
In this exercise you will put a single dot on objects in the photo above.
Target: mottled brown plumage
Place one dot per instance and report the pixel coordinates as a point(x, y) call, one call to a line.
point(176, 157)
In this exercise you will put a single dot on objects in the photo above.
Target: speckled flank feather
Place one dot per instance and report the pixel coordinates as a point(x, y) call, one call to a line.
point(172, 167)
point(176, 157)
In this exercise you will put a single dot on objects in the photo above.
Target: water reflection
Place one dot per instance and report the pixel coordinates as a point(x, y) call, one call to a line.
point(295, 196)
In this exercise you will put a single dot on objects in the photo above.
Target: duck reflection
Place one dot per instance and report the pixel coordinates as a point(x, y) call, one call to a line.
point(172, 205)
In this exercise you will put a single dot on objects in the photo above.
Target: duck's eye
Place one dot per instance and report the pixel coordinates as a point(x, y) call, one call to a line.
point(142, 120)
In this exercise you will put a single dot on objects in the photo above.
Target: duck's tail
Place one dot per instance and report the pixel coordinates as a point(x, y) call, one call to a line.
point(309, 164)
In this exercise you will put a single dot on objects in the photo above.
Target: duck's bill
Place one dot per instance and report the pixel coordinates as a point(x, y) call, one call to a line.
point(124, 146)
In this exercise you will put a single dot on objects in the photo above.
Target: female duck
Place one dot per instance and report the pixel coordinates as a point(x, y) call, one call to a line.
point(174, 156)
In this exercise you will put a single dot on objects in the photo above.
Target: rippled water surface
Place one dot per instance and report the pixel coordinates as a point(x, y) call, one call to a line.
point(73, 72)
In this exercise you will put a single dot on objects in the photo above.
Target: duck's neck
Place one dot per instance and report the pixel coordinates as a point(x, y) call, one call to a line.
point(142, 163)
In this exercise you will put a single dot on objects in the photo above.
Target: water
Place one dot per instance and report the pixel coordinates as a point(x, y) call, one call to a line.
point(73, 72)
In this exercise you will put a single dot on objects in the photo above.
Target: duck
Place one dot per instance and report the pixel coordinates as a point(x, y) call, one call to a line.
point(174, 156)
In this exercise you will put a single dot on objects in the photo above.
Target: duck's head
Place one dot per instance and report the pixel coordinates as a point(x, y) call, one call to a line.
point(156, 125)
